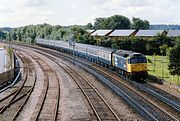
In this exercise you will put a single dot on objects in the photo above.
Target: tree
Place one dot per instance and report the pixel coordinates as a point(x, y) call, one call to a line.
point(152, 47)
point(158, 45)
point(105, 42)
point(177, 42)
point(174, 61)
point(138, 23)
point(19, 37)
point(13, 34)
point(164, 49)
point(89, 26)
point(113, 22)
point(136, 42)
point(124, 44)
point(33, 37)
point(2, 35)
point(100, 23)
point(119, 22)
point(8, 37)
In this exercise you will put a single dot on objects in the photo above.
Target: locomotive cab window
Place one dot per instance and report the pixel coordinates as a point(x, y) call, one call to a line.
point(142, 60)
point(137, 60)
point(133, 60)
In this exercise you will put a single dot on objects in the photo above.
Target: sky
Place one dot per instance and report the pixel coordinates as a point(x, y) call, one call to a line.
point(17, 13)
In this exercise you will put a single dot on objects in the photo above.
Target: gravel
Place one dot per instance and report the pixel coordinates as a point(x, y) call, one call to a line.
point(121, 108)
point(72, 104)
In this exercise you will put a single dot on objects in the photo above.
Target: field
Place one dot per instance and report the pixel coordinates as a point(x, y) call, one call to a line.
point(158, 66)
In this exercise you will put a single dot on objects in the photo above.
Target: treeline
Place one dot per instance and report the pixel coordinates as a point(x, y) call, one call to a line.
point(31, 32)
point(119, 22)
point(2, 34)
point(157, 45)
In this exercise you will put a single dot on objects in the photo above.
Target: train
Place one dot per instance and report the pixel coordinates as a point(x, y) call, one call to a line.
point(129, 64)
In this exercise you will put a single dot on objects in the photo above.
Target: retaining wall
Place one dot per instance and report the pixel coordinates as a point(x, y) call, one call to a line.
point(8, 75)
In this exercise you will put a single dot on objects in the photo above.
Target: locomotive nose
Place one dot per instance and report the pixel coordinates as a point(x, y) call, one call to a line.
point(138, 67)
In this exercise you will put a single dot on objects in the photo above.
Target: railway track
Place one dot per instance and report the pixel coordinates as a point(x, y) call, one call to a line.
point(12, 103)
point(169, 96)
point(157, 109)
point(47, 107)
point(163, 114)
point(172, 102)
point(99, 105)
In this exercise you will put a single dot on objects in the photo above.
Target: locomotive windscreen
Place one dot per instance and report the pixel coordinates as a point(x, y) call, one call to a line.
point(140, 59)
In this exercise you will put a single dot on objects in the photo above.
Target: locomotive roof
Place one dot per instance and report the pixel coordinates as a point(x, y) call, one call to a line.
point(127, 54)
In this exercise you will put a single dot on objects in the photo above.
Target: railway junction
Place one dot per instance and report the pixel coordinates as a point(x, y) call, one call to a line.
point(52, 86)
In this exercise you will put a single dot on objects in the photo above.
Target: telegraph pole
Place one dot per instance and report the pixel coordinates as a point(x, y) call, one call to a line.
point(72, 43)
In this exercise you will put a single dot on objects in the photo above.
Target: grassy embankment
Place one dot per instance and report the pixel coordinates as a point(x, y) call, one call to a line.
point(159, 68)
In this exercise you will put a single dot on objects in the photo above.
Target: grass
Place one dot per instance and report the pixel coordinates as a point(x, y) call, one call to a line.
point(158, 66)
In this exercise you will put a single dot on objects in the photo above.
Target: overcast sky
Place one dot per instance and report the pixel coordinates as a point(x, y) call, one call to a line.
point(15, 13)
